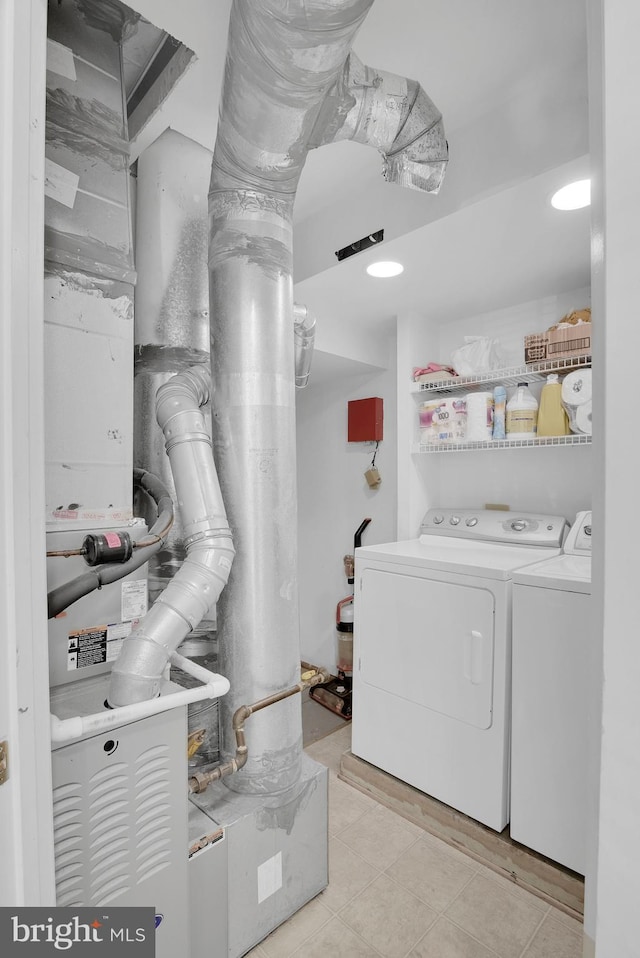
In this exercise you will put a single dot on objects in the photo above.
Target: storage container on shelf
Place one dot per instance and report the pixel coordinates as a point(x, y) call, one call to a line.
point(479, 416)
point(522, 414)
point(552, 418)
point(499, 412)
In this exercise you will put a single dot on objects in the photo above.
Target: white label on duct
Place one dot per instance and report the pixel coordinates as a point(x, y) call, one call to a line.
point(269, 877)
point(60, 60)
point(133, 600)
point(60, 184)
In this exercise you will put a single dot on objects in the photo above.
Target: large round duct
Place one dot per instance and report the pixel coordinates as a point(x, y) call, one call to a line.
point(289, 85)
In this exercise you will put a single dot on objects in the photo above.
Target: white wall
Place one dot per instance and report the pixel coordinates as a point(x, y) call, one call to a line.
point(613, 904)
point(334, 498)
point(557, 481)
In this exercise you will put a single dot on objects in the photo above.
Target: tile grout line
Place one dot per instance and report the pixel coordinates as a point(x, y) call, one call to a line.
point(535, 932)
point(466, 930)
point(441, 915)
point(306, 940)
point(366, 943)
point(494, 877)
point(460, 927)
point(364, 860)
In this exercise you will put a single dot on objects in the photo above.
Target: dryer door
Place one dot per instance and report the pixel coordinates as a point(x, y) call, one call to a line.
point(428, 641)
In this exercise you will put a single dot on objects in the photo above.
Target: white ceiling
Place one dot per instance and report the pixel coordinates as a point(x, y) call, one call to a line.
point(510, 248)
point(510, 77)
point(469, 55)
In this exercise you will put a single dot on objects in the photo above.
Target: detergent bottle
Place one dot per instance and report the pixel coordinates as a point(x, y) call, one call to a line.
point(522, 414)
point(552, 418)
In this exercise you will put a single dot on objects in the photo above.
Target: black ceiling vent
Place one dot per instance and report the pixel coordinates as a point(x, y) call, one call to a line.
point(360, 245)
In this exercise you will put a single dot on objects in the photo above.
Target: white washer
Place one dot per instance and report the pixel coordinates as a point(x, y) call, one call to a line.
point(432, 653)
point(553, 669)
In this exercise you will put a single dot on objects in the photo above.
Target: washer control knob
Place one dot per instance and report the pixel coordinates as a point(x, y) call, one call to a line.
point(437, 520)
point(519, 525)
point(454, 520)
point(472, 521)
point(587, 530)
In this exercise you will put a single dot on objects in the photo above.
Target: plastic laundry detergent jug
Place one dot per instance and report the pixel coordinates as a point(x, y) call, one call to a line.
point(552, 418)
point(522, 414)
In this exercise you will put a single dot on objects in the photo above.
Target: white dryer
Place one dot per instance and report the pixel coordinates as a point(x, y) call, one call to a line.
point(432, 653)
point(554, 676)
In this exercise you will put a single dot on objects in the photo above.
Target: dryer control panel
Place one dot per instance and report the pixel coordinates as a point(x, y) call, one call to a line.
point(492, 525)
point(579, 538)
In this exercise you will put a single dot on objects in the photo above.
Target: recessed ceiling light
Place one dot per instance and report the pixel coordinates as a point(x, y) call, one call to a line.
point(384, 269)
point(573, 196)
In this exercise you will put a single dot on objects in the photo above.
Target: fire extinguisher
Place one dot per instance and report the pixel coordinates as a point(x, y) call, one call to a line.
point(344, 630)
point(344, 613)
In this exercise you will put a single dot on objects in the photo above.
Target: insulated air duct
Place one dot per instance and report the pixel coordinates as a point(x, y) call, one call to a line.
point(171, 307)
point(195, 588)
point(289, 85)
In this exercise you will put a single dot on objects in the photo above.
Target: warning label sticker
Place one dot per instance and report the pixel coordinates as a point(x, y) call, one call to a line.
point(98, 644)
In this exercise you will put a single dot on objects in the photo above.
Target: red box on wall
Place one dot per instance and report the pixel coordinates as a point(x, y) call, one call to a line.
point(365, 420)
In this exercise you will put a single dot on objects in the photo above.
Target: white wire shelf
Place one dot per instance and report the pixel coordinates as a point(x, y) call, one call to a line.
point(548, 441)
point(510, 376)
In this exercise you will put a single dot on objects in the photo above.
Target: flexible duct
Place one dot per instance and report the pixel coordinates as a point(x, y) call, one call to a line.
point(283, 58)
point(196, 586)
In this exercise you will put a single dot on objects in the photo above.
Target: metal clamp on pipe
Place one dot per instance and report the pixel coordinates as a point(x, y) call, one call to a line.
point(213, 686)
point(200, 781)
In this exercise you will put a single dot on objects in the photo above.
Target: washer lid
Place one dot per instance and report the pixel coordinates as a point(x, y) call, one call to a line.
point(569, 573)
point(462, 556)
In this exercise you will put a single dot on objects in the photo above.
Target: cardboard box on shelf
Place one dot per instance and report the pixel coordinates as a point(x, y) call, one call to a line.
point(568, 341)
point(568, 338)
point(535, 347)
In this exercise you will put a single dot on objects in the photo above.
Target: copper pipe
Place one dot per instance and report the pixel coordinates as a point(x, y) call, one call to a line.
point(66, 553)
point(201, 780)
point(141, 544)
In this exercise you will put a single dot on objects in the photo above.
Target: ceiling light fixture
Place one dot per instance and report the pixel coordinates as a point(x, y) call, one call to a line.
point(384, 269)
point(573, 196)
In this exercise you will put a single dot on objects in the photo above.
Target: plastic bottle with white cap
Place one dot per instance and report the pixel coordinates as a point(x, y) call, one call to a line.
point(522, 414)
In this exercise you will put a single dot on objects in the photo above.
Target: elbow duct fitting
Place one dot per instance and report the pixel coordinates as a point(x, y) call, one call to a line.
point(138, 671)
point(392, 114)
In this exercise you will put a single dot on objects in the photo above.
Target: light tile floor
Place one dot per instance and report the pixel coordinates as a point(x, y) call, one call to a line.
point(396, 891)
